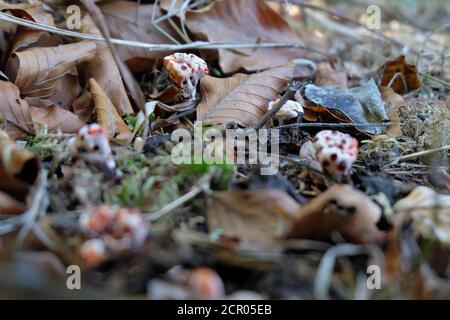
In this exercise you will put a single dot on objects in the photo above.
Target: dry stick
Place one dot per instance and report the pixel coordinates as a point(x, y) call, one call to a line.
point(292, 88)
point(205, 45)
point(333, 125)
point(131, 83)
point(202, 185)
point(421, 153)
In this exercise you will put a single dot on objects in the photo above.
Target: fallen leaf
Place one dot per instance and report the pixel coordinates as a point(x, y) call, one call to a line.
point(36, 71)
point(241, 99)
point(358, 105)
point(259, 216)
point(19, 168)
point(107, 115)
point(104, 70)
point(56, 118)
point(15, 109)
point(341, 208)
point(406, 76)
point(133, 21)
point(245, 21)
point(83, 106)
point(26, 37)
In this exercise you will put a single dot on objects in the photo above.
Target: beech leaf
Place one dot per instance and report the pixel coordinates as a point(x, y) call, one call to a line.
point(107, 115)
point(241, 99)
point(245, 21)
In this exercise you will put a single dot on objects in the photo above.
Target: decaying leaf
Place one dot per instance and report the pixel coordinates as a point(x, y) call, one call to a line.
point(343, 209)
point(36, 71)
point(241, 99)
point(259, 216)
point(359, 105)
point(245, 21)
point(104, 70)
point(133, 21)
point(107, 115)
point(400, 76)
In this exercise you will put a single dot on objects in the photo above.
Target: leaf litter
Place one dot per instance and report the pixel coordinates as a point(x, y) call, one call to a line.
point(87, 176)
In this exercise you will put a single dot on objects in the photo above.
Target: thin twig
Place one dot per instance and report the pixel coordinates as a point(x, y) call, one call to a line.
point(292, 88)
point(333, 125)
point(420, 153)
point(202, 185)
point(204, 45)
point(129, 80)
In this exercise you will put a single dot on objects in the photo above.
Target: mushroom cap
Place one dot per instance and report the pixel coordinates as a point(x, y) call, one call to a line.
point(335, 151)
point(290, 110)
point(185, 71)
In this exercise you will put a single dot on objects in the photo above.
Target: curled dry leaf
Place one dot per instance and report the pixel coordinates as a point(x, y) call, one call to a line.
point(400, 76)
point(133, 21)
point(21, 117)
point(241, 99)
point(37, 70)
point(26, 37)
point(245, 21)
point(18, 168)
point(14, 109)
point(341, 208)
point(258, 216)
point(66, 87)
point(107, 115)
point(104, 70)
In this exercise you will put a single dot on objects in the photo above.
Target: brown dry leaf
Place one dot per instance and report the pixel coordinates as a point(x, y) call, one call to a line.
point(341, 208)
point(407, 79)
point(393, 101)
point(56, 118)
point(133, 21)
point(252, 216)
point(241, 99)
point(14, 109)
point(104, 70)
point(26, 37)
point(245, 21)
point(19, 168)
point(328, 75)
point(107, 115)
point(66, 88)
point(83, 106)
point(36, 71)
